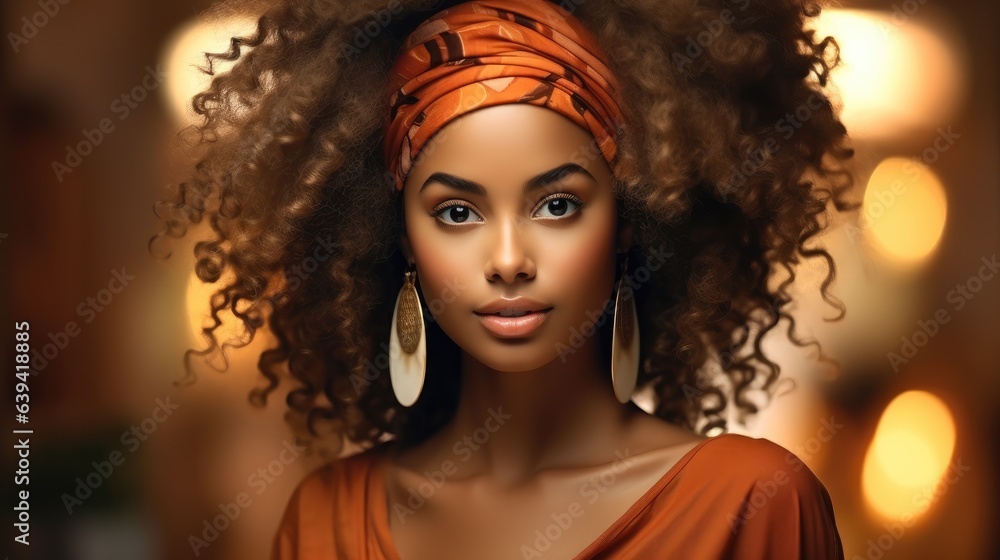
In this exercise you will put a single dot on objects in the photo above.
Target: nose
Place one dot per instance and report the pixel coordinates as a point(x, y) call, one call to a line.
point(510, 260)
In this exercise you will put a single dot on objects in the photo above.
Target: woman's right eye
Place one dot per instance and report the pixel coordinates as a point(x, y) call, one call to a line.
point(458, 212)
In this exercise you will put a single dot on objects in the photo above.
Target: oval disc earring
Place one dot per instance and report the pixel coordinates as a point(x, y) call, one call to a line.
point(407, 343)
point(625, 341)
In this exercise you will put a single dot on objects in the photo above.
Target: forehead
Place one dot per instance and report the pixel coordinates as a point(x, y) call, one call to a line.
point(507, 144)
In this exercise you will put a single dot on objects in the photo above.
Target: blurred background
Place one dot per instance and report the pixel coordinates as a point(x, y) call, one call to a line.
point(125, 465)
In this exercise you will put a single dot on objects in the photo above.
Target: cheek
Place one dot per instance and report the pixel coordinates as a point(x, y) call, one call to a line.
point(441, 281)
point(441, 275)
point(584, 262)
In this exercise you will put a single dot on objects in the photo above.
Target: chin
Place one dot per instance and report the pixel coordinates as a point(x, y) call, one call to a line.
point(512, 355)
point(508, 366)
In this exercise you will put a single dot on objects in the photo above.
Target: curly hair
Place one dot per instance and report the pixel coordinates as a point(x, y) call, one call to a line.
point(733, 152)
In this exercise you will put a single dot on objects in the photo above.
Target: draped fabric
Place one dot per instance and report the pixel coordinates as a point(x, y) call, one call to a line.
point(731, 496)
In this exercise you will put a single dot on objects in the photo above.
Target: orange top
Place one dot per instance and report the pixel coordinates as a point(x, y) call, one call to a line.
point(731, 496)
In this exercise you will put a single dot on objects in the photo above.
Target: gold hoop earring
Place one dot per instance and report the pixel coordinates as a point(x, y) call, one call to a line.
point(407, 344)
point(625, 341)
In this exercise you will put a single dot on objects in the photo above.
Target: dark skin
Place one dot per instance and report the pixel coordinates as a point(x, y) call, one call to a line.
point(561, 423)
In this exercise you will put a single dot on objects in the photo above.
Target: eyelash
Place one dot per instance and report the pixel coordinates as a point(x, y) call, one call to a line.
point(441, 208)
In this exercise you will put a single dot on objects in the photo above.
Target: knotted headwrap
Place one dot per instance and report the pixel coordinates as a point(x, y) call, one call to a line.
point(493, 52)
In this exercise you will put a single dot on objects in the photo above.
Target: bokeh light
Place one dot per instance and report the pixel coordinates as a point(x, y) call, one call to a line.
point(184, 52)
point(905, 209)
point(897, 75)
point(909, 455)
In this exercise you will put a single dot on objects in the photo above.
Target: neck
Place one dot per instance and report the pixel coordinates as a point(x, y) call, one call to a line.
point(510, 425)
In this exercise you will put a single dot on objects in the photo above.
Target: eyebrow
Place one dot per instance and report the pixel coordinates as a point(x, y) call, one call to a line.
point(536, 182)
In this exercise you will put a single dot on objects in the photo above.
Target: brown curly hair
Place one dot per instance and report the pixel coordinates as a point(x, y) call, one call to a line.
point(732, 153)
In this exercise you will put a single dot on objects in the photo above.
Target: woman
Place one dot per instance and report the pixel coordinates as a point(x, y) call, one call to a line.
point(518, 215)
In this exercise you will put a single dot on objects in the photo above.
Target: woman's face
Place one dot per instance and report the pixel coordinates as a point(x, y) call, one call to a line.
point(489, 217)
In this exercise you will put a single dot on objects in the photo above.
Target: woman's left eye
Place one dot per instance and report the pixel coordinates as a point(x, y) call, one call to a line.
point(561, 205)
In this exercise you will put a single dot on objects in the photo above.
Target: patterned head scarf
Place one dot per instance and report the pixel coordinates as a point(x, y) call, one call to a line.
point(493, 52)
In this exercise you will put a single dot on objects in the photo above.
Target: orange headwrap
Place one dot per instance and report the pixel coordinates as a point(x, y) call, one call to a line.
point(493, 52)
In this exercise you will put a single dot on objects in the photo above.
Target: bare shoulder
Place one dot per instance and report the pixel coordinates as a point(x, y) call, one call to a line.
point(650, 433)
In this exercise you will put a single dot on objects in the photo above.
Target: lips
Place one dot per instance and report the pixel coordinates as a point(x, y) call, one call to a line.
point(513, 327)
point(513, 307)
point(515, 312)
point(513, 317)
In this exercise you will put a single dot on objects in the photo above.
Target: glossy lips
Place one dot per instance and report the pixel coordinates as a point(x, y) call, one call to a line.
point(513, 326)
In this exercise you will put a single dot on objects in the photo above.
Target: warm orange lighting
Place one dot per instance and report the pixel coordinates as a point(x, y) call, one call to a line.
point(897, 75)
point(909, 455)
point(198, 311)
point(905, 209)
point(184, 52)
